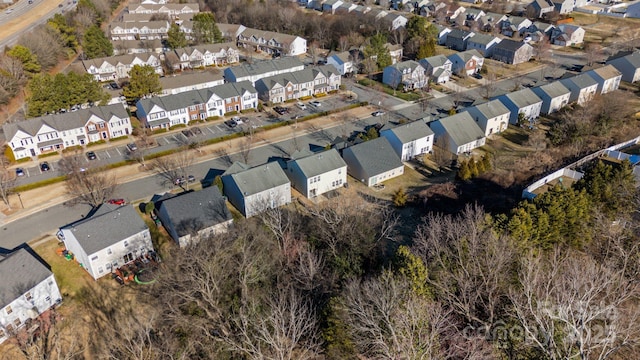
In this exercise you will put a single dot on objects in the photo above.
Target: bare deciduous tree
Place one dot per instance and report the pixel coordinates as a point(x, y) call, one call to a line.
point(469, 262)
point(569, 306)
point(84, 185)
point(386, 320)
point(174, 169)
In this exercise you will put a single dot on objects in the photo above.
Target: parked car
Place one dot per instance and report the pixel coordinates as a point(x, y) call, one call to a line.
point(301, 106)
point(231, 123)
point(191, 178)
point(132, 147)
point(477, 75)
point(280, 110)
point(315, 103)
point(117, 202)
point(179, 181)
point(241, 120)
point(377, 113)
point(44, 166)
point(19, 172)
point(9, 11)
point(91, 155)
point(196, 131)
point(187, 132)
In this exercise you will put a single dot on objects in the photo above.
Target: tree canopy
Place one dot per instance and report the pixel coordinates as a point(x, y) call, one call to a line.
point(29, 61)
point(205, 30)
point(176, 39)
point(376, 48)
point(143, 81)
point(50, 94)
point(95, 44)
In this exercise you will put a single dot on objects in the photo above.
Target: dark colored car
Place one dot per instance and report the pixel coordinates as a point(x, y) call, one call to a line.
point(45, 166)
point(477, 76)
point(187, 133)
point(231, 123)
point(280, 110)
point(196, 131)
point(191, 178)
point(132, 147)
point(91, 155)
point(117, 201)
point(19, 172)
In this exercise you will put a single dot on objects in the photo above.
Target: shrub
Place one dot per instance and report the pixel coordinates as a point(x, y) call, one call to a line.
point(54, 153)
point(39, 184)
point(319, 95)
point(96, 143)
point(72, 149)
point(334, 91)
point(119, 138)
point(178, 126)
point(23, 160)
point(231, 113)
point(195, 122)
point(213, 118)
point(8, 154)
point(159, 131)
point(342, 87)
point(400, 197)
point(245, 111)
point(305, 98)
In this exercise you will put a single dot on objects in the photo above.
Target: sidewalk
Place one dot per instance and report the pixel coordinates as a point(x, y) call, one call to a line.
point(42, 198)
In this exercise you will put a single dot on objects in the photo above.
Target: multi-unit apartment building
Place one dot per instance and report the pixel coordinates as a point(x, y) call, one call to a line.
point(307, 82)
point(118, 67)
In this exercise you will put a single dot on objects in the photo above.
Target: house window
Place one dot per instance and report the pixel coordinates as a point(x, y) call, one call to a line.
point(94, 258)
point(109, 252)
point(28, 296)
point(126, 243)
point(9, 327)
point(8, 310)
point(47, 299)
point(100, 270)
point(17, 322)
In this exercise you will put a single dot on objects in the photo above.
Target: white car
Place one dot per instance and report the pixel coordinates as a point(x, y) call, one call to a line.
point(9, 11)
point(315, 103)
point(301, 106)
point(377, 113)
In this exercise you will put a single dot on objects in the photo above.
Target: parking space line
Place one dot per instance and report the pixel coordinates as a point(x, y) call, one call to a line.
point(218, 127)
point(27, 172)
point(208, 128)
point(119, 153)
point(175, 138)
point(167, 141)
point(108, 155)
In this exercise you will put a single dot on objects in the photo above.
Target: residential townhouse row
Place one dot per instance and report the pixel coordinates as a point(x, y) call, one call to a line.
point(392, 20)
point(28, 287)
point(132, 28)
point(49, 133)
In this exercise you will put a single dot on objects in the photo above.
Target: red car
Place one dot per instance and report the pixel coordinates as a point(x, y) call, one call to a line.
point(117, 202)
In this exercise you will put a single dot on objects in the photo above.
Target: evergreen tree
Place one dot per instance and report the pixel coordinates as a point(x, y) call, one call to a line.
point(67, 33)
point(143, 81)
point(464, 173)
point(176, 39)
point(427, 48)
point(95, 44)
point(205, 29)
point(375, 48)
point(49, 94)
point(611, 187)
point(400, 197)
point(29, 60)
point(473, 168)
point(414, 270)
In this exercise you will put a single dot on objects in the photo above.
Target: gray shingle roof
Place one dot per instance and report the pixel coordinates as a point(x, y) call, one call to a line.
point(411, 131)
point(66, 121)
point(523, 98)
point(120, 59)
point(606, 72)
point(19, 272)
point(492, 109)
point(206, 207)
point(459, 34)
point(461, 128)
point(318, 164)
point(258, 179)
point(582, 81)
point(106, 226)
point(375, 156)
point(632, 58)
point(263, 67)
point(172, 82)
point(511, 45)
point(296, 77)
point(409, 64)
point(553, 89)
point(434, 61)
point(482, 39)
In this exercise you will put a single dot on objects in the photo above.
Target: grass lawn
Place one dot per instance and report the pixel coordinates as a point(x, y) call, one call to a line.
point(406, 96)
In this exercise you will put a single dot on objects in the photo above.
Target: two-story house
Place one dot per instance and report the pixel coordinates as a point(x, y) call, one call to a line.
point(628, 64)
point(27, 289)
point(466, 62)
point(106, 238)
point(410, 74)
point(166, 111)
point(203, 55)
point(36, 136)
point(607, 77)
point(457, 39)
point(523, 104)
point(294, 85)
point(253, 190)
point(567, 35)
point(438, 68)
point(514, 25)
point(270, 42)
point(193, 216)
point(512, 52)
point(458, 133)
point(483, 43)
point(410, 140)
point(144, 30)
point(172, 10)
point(343, 61)
point(583, 88)
point(492, 116)
point(262, 69)
point(554, 96)
point(373, 162)
point(315, 174)
point(118, 67)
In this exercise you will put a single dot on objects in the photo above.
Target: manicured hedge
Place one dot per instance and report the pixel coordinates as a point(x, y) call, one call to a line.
point(99, 142)
point(42, 156)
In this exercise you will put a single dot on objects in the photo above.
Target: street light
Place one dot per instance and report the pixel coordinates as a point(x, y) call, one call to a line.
point(19, 198)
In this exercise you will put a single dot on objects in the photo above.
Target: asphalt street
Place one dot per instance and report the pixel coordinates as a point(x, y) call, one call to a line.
point(49, 220)
point(22, 7)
